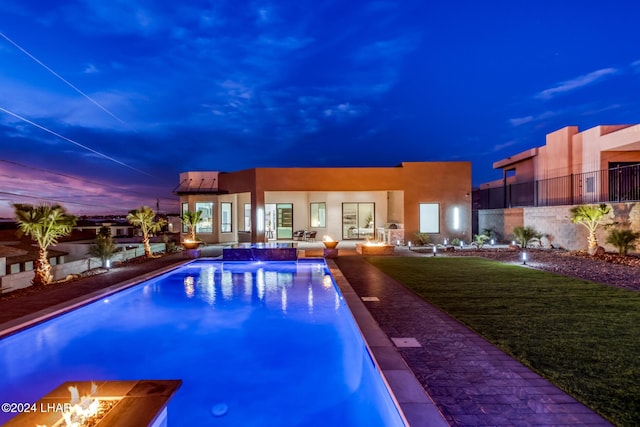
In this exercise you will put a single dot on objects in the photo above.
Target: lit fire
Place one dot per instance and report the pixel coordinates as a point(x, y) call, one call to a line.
point(82, 408)
point(327, 239)
point(83, 411)
point(371, 243)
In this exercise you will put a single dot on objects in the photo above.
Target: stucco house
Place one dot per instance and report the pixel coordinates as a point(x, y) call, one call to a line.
point(540, 185)
point(348, 203)
point(596, 165)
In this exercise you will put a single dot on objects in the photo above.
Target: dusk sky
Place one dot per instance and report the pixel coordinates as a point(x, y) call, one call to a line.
point(104, 103)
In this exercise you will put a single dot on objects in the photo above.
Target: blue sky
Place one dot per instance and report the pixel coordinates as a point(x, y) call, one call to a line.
point(103, 103)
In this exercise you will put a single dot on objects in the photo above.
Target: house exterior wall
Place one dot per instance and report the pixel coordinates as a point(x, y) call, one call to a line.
point(568, 151)
point(398, 190)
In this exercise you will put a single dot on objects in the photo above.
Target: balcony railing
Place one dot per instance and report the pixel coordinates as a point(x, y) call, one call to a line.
point(618, 184)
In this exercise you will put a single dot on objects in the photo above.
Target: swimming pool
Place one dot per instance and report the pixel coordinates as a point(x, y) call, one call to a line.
point(271, 341)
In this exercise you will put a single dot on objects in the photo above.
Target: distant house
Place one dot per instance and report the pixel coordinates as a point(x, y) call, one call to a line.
point(600, 164)
point(117, 227)
point(264, 204)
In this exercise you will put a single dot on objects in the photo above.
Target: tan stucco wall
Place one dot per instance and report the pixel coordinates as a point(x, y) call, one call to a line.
point(412, 183)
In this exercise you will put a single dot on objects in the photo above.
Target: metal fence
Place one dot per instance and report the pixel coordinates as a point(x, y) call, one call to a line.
point(618, 184)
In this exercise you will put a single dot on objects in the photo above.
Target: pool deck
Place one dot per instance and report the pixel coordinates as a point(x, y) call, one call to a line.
point(468, 382)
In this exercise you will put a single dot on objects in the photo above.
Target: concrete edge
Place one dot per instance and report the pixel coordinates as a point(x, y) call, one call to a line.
point(24, 322)
point(416, 407)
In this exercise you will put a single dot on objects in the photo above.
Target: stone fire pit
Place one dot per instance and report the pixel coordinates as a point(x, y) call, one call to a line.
point(373, 250)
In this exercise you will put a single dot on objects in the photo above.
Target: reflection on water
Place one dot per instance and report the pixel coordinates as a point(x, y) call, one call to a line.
point(265, 285)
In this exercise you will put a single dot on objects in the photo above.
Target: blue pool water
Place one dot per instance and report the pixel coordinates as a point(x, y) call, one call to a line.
point(273, 342)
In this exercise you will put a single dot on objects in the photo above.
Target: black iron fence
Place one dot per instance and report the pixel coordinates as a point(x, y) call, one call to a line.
point(618, 184)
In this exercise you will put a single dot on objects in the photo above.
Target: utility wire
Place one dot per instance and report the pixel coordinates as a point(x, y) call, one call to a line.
point(60, 201)
point(107, 186)
point(17, 116)
point(96, 103)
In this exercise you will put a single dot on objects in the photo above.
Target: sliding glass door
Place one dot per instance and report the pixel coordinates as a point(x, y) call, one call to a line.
point(358, 220)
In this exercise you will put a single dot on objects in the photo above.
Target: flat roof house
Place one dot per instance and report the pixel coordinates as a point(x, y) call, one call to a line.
point(392, 203)
point(596, 165)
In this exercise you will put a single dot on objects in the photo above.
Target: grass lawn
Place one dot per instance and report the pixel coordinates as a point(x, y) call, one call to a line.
point(582, 336)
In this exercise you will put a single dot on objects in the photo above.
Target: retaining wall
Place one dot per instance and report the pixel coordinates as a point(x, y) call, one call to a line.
point(554, 222)
point(11, 282)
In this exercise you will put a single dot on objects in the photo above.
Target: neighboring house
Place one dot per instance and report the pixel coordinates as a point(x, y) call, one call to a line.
point(600, 164)
point(263, 204)
point(540, 185)
point(118, 227)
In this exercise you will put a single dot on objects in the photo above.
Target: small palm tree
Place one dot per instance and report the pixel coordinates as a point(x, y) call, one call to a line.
point(525, 235)
point(145, 218)
point(591, 217)
point(623, 239)
point(191, 219)
point(104, 248)
point(45, 224)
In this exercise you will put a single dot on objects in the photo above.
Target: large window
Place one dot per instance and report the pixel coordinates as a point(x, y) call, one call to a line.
point(429, 217)
point(225, 217)
point(358, 220)
point(206, 223)
point(247, 217)
point(318, 215)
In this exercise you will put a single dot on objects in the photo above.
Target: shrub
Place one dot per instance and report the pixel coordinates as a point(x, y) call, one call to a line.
point(480, 240)
point(422, 239)
point(526, 235)
point(104, 248)
point(623, 239)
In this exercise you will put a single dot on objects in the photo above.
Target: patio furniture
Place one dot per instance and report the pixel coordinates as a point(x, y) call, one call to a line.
point(310, 236)
point(299, 235)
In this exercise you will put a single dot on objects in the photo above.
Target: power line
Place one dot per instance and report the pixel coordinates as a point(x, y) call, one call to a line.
point(96, 103)
point(87, 181)
point(59, 201)
point(17, 116)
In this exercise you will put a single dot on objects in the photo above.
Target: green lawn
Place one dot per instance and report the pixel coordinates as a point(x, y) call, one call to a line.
point(582, 336)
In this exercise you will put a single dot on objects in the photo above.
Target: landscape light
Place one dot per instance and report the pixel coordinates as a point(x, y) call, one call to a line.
point(434, 250)
point(524, 258)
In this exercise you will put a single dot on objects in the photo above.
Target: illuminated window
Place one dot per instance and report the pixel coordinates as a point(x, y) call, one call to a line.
point(429, 217)
point(318, 215)
point(185, 209)
point(225, 217)
point(206, 223)
point(247, 217)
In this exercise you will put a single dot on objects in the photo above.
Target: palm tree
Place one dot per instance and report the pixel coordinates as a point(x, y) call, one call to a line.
point(524, 235)
point(590, 216)
point(104, 248)
point(45, 224)
point(145, 218)
point(190, 219)
point(623, 239)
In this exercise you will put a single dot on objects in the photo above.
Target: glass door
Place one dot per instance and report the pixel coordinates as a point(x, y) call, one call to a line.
point(284, 221)
point(358, 220)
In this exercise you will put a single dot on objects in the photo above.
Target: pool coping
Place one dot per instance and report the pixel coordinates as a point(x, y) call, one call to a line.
point(415, 405)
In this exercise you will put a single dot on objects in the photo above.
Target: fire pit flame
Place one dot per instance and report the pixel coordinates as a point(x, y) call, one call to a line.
point(82, 408)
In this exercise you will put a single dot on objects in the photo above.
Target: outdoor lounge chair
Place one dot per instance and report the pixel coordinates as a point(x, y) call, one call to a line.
point(310, 236)
point(299, 235)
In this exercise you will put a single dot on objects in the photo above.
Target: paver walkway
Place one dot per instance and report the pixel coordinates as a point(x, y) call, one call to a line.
point(472, 382)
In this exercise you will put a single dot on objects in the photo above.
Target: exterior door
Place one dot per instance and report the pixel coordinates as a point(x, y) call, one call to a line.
point(278, 220)
point(358, 220)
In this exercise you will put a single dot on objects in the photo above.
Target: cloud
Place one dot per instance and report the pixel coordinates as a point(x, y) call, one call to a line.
point(518, 121)
point(91, 69)
point(576, 83)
